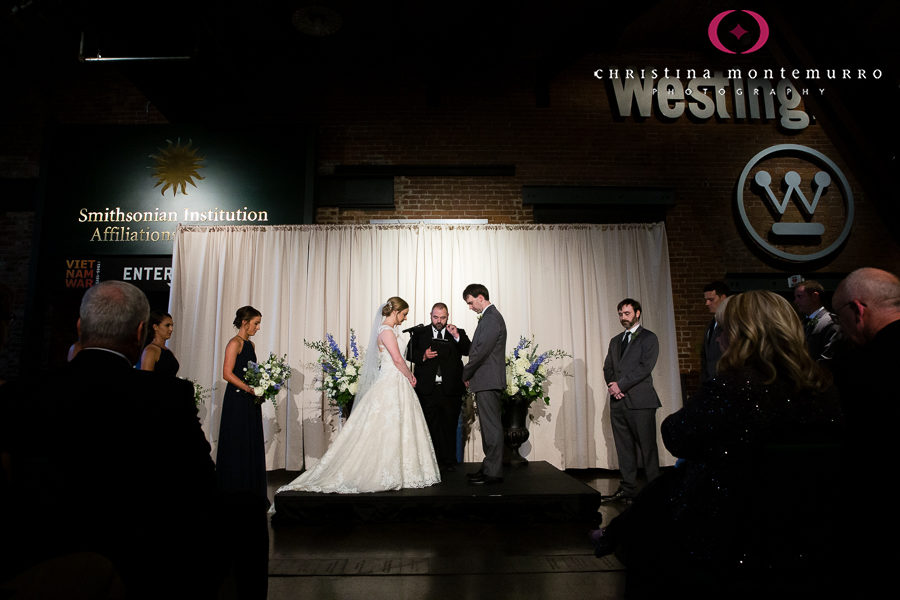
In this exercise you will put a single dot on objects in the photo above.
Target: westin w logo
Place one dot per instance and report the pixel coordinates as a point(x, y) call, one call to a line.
point(791, 218)
point(744, 30)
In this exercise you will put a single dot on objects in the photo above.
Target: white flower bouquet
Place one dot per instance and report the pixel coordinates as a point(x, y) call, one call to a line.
point(527, 371)
point(200, 393)
point(340, 371)
point(268, 377)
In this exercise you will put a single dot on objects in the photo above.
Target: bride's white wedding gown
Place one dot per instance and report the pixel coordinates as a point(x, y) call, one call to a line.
point(384, 445)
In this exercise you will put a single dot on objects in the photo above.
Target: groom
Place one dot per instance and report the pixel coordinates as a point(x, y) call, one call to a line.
point(485, 375)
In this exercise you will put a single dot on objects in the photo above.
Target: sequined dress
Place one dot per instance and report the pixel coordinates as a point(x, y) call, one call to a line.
point(720, 434)
point(384, 445)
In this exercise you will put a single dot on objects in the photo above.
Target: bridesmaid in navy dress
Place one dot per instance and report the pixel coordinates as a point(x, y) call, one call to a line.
point(241, 458)
point(156, 357)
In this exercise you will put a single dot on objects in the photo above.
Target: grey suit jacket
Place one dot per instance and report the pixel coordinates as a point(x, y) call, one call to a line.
point(632, 370)
point(823, 337)
point(486, 369)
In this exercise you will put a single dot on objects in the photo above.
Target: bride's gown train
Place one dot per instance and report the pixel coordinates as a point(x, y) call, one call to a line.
point(384, 445)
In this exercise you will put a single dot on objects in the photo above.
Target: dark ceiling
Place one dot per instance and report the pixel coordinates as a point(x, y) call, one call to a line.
point(269, 52)
point(262, 59)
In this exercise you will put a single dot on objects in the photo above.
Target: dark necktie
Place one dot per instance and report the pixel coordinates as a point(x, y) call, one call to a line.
point(625, 339)
point(438, 336)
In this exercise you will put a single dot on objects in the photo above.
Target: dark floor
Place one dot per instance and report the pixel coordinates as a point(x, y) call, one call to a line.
point(435, 560)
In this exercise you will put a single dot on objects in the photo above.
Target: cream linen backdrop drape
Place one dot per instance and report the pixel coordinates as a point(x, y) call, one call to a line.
point(560, 283)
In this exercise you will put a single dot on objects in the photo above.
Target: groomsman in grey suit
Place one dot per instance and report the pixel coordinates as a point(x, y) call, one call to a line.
point(821, 330)
point(485, 375)
point(633, 400)
point(710, 352)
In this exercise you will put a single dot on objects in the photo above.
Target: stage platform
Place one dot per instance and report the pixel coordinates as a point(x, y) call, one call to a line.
point(538, 491)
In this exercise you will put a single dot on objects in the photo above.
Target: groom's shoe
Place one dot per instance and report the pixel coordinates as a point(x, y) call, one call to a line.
point(485, 480)
point(476, 475)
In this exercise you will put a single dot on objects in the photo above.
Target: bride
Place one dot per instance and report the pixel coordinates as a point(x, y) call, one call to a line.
point(385, 444)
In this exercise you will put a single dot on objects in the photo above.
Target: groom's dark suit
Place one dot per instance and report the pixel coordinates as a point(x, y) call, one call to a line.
point(634, 416)
point(441, 402)
point(111, 460)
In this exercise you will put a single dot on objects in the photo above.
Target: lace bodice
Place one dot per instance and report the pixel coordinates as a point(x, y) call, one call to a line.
point(384, 357)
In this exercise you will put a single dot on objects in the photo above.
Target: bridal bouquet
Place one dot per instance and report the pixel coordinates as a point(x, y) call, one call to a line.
point(268, 377)
point(340, 370)
point(526, 370)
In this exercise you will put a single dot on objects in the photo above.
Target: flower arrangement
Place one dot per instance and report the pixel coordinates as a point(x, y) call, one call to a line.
point(340, 370)
point(527, 371)
point(200, 393)
point(268, 377)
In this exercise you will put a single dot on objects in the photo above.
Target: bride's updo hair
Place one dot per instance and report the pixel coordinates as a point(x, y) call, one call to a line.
point(244, 313)
point(393, 303)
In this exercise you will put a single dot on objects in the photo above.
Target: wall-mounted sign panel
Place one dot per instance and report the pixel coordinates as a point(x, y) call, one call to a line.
point(123, 190)
point(795, 203)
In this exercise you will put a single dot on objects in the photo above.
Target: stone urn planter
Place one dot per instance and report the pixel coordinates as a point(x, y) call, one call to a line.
point(515, 428)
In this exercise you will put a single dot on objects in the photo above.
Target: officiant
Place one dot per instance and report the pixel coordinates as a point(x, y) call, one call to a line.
point(436, 352)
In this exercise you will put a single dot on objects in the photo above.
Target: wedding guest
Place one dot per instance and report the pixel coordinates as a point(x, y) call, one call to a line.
point(118, 469)
point(867, 306)
point(74, 349)
point(698, 527)
point(156, 357)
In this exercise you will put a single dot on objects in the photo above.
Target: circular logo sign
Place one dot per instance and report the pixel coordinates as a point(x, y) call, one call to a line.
point(742, 29)
point(795, 203)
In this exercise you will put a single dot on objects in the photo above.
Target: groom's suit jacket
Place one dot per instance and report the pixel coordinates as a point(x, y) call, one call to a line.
point(486, 369)
point(450, 364)
point(112, 460)
point(632, 370)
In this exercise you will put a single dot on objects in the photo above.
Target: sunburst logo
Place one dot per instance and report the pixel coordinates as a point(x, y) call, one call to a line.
point(176, 166)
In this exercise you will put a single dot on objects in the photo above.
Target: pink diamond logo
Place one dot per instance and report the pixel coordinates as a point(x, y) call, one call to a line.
point(738, 32)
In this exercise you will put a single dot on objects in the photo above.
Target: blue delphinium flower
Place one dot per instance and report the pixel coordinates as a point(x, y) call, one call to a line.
point(353, 347)
point(523, 343)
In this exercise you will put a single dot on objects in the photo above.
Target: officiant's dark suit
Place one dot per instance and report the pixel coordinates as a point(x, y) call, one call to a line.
point(111, 460)
point(439, 382)
point(633, 413)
